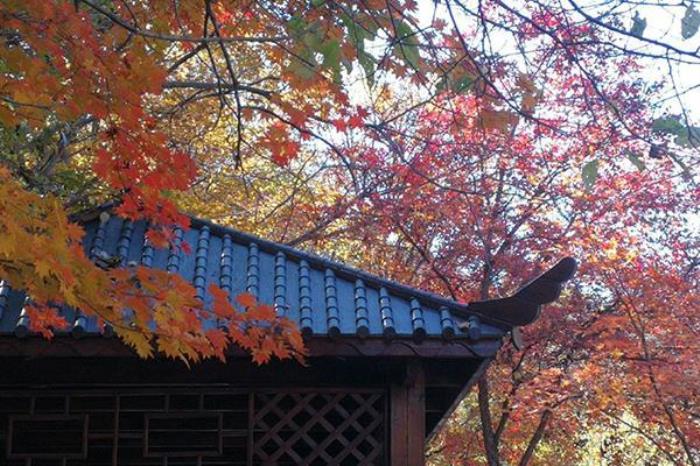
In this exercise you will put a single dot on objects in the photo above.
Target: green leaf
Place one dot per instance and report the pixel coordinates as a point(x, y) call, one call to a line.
point(457, 84)
point(4, 68)
point(464, 83)
point(668, 125)
point(407, 44)
point(296, 25)
point(309, 34)
point(685, 139)
point(442, 84)
point(314, 38)
point(639, 24)
point(317, 3)
point(304, 67)
point(356, 33)
point(331, 57)
point(636, 161)
point(331, 53)
point(367, 62)
point(671, 125)
point(690, 22)
point(590, 174)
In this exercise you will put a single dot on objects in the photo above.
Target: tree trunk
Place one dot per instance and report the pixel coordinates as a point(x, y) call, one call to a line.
point(536, 437)
point(490, 443)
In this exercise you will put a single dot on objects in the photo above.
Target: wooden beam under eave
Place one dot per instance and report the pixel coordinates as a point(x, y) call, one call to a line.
point(407, 435)
point(473, 379)
point(93, 345)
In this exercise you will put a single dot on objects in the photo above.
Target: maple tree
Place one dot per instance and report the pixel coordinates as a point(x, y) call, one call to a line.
point(469, 200)
point(470, 215)
point(96, 100)
point(463, 168)
point(472, 212)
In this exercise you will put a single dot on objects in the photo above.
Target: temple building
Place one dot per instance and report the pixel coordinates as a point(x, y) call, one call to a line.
point(388, 363)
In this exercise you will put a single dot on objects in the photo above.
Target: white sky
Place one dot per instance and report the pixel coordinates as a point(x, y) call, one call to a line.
point(663, 24)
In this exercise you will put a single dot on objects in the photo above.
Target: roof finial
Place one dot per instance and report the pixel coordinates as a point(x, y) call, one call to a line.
point(524, 306)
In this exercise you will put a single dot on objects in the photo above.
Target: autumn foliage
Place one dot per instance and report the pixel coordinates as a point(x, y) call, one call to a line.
point(404, 142)
point(475, 212)
point(46, 258)
point(65, 71)
point(93, 109)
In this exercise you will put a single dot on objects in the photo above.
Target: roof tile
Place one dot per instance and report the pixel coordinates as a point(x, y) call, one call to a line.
point(325, 298)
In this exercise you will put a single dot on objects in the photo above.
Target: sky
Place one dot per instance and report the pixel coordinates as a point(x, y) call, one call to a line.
point(663, 23)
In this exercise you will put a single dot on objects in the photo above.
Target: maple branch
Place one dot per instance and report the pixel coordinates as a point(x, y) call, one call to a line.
point(214, 69)
point(382, 132)
point(646, 436)
point(234, 79)
point(536, 437)
point(641, 333)
point(585, 72)
point(186, 57)
point(177, 38)
point(303, 130)
point(320, 226)
point(639, 37)
point(426, 257)
point(669, 413)
point(487, 79)
point(506, 407)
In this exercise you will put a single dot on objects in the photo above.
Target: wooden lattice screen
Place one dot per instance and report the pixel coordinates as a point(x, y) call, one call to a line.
point(319, 428)
point(193, 426)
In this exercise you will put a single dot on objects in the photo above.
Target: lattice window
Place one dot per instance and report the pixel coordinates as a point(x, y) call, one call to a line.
point(164, 435)
point(126, 427)
point(331, 428)
point(47, 437)
point(202, 426)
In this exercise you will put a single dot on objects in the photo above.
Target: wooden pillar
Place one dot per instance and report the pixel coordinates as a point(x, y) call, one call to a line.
point(407, 429)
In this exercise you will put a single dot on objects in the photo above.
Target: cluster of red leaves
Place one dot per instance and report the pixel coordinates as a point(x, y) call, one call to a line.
point(475, 211)
point(87, 65)
point(61, 62)
point(64, 67)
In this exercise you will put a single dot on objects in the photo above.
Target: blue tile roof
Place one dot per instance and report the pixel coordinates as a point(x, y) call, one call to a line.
point(325, 298)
